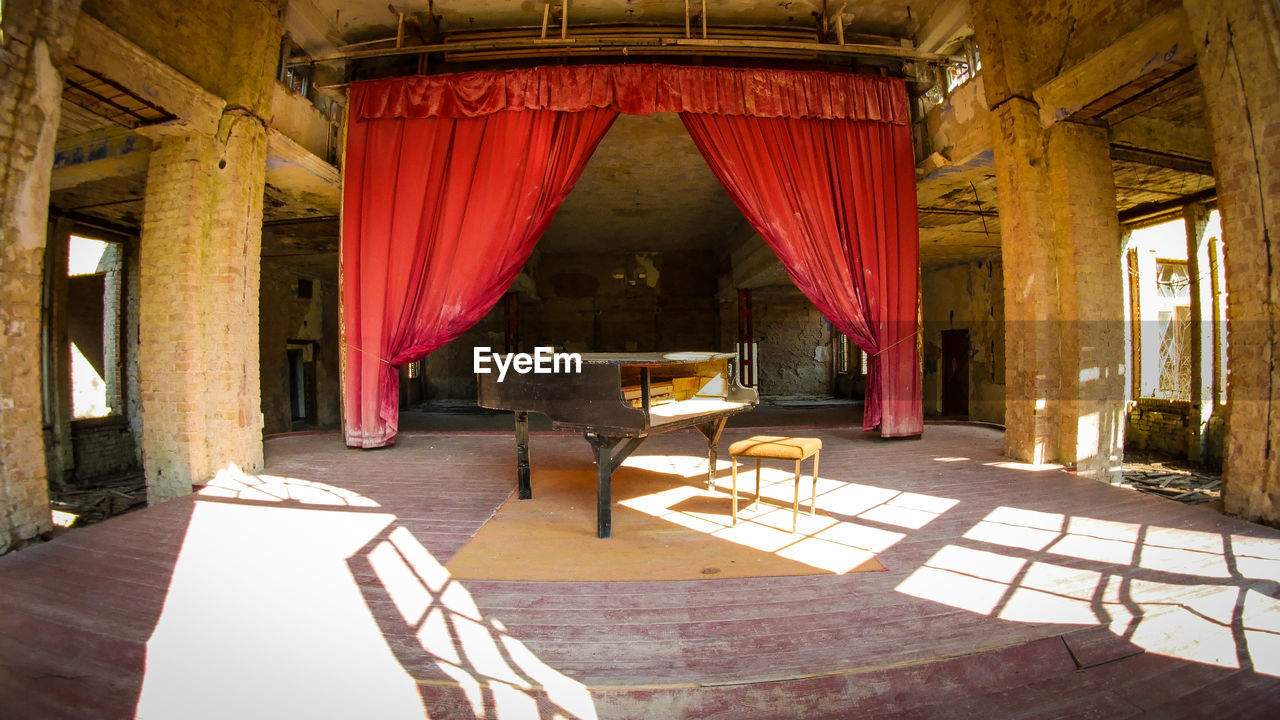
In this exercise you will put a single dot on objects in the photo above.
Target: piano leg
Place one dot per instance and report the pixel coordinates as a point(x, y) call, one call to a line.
point(711, 431)
point(603, 447)
point(523, 486)
point(606, 463)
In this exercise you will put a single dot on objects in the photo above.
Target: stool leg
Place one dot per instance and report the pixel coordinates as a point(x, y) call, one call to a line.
point(735, 490)
point(813, 497)
point(795, 505)
point(755, 505)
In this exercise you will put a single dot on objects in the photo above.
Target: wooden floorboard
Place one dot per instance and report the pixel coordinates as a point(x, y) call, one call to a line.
point(340, 572)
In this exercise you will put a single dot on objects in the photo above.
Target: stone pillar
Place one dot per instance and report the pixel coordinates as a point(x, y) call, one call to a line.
point(1203, 399)
point(1090, 300)
point(1060, 244)
point(1033, 377)
point(198, 306)
point(1236, 43)
point(37, 33)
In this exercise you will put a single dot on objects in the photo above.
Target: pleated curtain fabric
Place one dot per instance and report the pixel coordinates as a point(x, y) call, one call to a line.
point(439, 215)
point(836, 200)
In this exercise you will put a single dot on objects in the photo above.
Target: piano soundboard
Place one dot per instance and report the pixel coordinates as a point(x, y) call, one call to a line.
point(621, 399)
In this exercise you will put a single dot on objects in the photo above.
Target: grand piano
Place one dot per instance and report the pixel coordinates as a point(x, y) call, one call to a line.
point(621, 399)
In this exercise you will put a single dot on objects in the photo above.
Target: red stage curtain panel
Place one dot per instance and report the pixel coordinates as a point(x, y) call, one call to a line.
point(439, 215)
point(639, 90)
point(836, 200)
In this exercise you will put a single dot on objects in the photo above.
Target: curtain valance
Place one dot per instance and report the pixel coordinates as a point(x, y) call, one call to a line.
point(637, 90)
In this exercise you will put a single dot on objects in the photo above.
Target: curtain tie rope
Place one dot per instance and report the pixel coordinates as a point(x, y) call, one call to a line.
point(361, 350)
point(900, 341)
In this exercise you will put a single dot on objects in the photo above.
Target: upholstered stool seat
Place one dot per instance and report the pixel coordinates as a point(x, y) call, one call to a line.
point(775, 447)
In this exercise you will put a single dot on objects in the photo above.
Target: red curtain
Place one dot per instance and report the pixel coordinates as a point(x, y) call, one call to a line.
point(836, 200)
point(439, 215)
point(638, 90)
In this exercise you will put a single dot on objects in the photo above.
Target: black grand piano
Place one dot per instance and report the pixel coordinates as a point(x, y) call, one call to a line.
point(622, 397)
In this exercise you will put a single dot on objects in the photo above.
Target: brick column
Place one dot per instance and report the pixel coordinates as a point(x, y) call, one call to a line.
point(198, 314)
point(37, 35)
point(1033, 372)
point(1060, 245)
point(1090, 300)
point(1236, 43)
point(1203, 399)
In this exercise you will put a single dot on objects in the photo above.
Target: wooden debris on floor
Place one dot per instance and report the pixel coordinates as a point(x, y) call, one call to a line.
point(1172, 478)
point(116, 495)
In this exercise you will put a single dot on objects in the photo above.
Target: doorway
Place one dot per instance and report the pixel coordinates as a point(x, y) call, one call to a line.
point(955, 373)
point(301, 356)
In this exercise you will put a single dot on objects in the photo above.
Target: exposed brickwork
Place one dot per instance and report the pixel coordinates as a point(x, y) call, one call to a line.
point(36, 37)
point(103, 447)
point(1236, 43)
point(198, 349)
point(1061, 253)
point(1090, 299)
point(1032, 366)
point(1165, 426)
point(1161, 425)
point(1064, 32)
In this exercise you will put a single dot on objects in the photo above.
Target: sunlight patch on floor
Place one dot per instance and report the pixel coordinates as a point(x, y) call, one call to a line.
point(1208, 589)
point(830, 540)
point(493, 669)
point(231, 482)
point(263, 617)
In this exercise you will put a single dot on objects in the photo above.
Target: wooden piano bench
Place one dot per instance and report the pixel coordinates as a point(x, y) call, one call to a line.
point(777, 448)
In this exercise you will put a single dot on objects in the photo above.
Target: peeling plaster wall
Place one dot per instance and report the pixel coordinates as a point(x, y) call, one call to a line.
point(285, 316)
point(448, 372)
point(295, 116)
point(960, 128)
point(788, 332)
point(969, 297)
point(581, 306)
point(574, 302)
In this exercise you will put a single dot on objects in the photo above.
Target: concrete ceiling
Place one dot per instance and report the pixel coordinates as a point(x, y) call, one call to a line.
point(646, 189)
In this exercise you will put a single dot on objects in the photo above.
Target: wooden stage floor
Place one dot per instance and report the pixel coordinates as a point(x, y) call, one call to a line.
point(317, 589)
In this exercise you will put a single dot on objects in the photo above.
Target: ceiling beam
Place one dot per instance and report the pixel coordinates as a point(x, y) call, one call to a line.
point(301, 175)
point(1185, 139)
point(1156, 158)
point(98, 155)
point(1162, 40)
point(108, 54)
point(1166, 207)
point(948, 23)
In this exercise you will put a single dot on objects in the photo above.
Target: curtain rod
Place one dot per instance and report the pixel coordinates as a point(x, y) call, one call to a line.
point(555, 46)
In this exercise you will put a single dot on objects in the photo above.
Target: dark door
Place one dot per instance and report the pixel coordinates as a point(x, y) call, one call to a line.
point(955, 373)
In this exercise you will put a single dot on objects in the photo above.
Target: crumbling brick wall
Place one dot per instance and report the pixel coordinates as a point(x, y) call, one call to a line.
point(104, 447)
point(1235, 42)
point(36, 38)
point(1159, 425)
